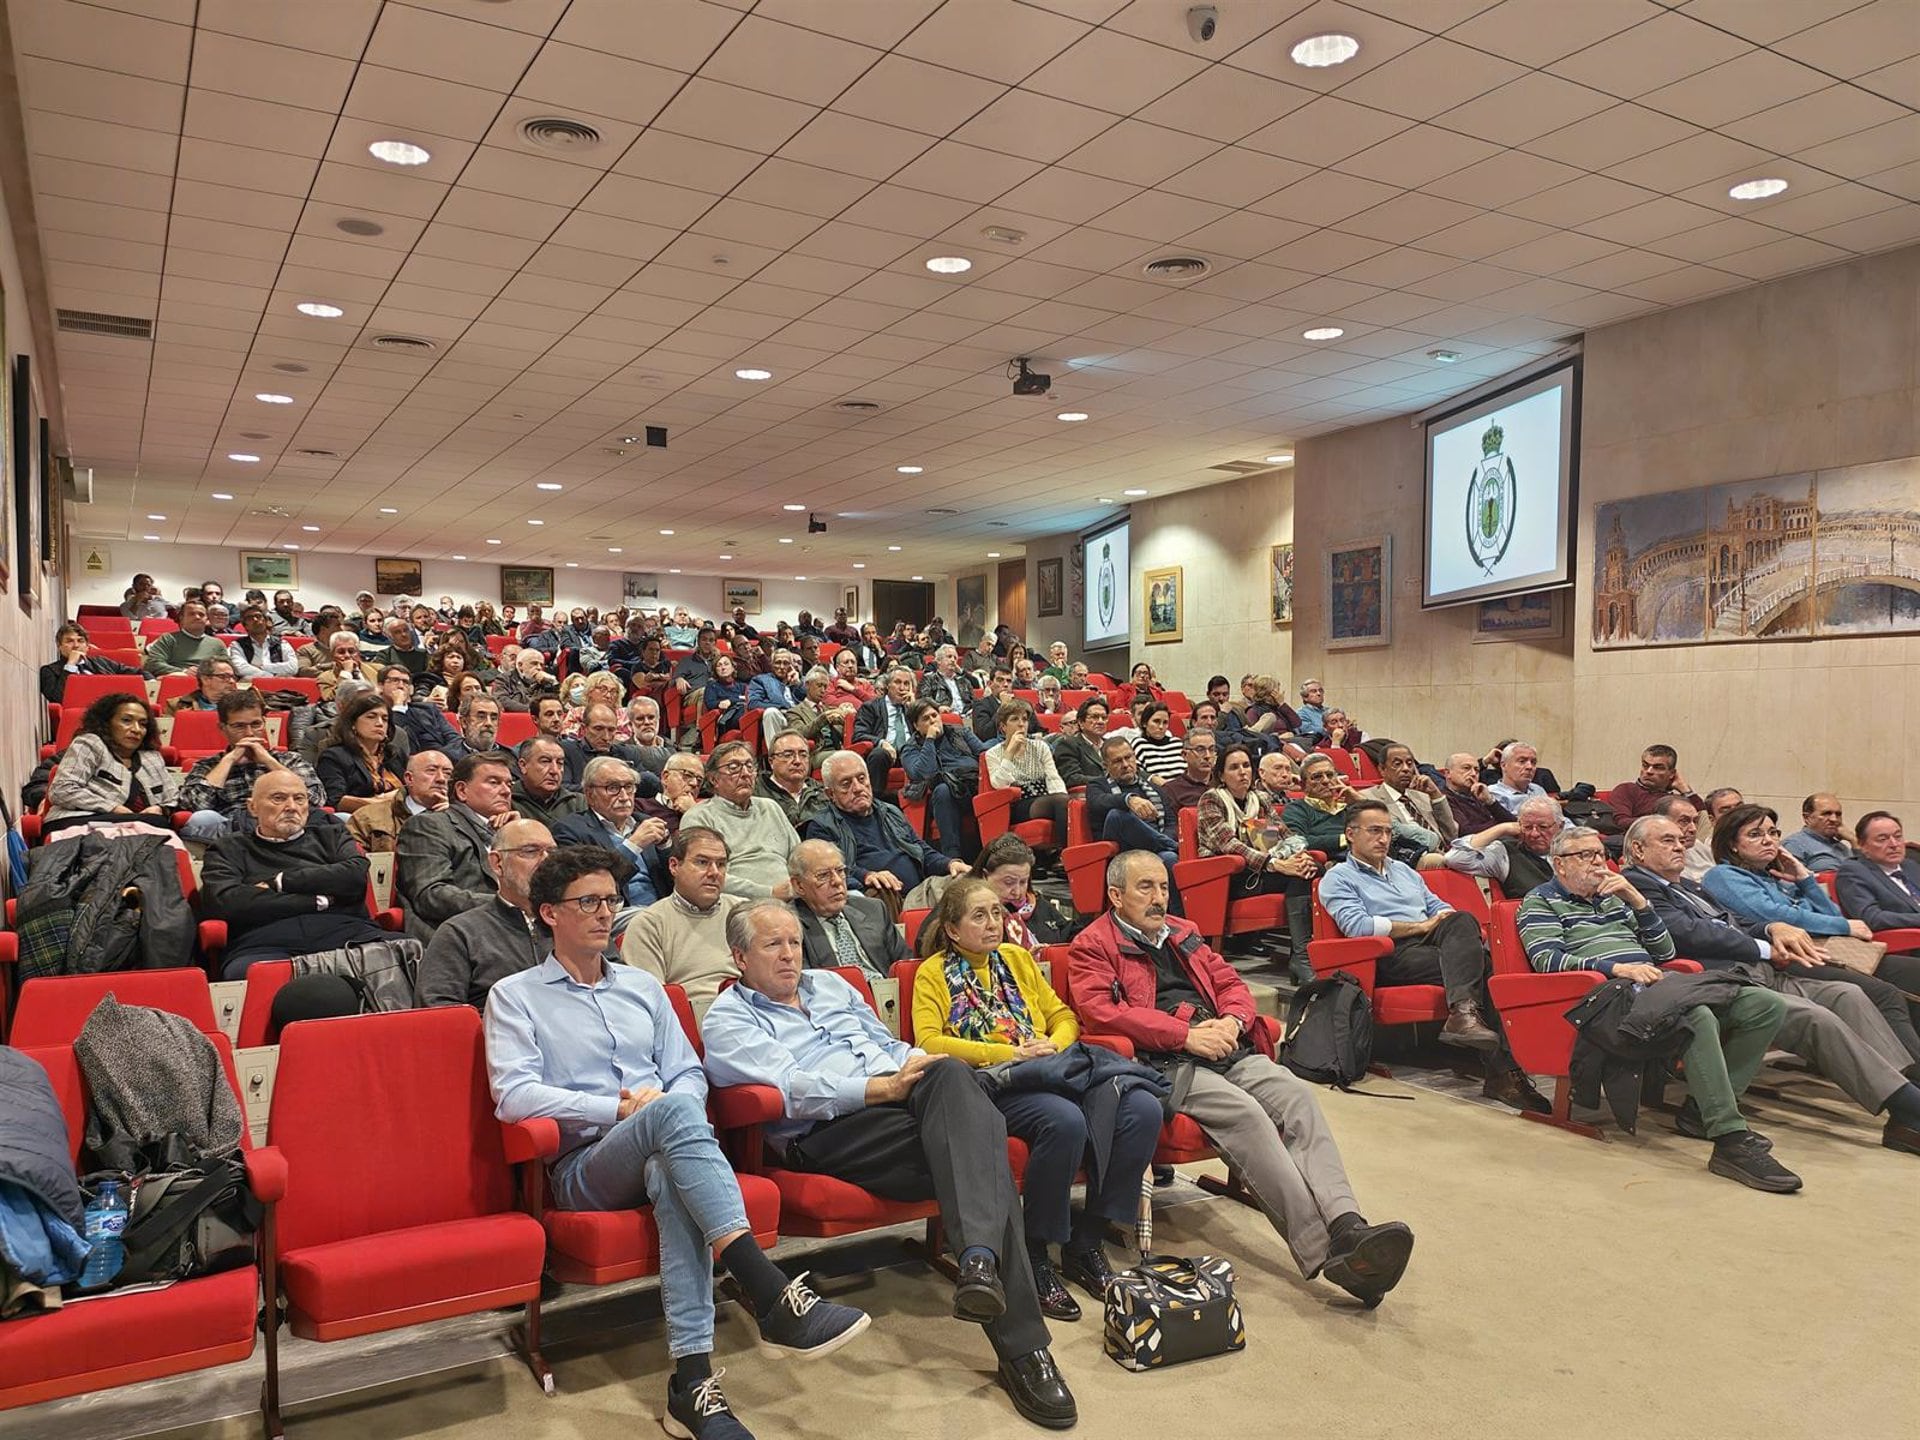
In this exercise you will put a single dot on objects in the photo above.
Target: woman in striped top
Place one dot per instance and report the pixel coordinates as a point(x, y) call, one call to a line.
point(1027, 764)
point(1156, 747)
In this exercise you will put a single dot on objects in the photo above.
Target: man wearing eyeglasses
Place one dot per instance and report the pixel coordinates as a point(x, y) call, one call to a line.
point(1514, 852)
point(611, 787)
point(1590, 918)
point(476, 950)
point(788, 779)
point(598, 1049)
point(758, 834)
point(682, 940)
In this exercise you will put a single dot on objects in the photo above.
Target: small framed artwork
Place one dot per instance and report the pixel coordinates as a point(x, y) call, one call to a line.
point(1280, 583)
point(269, 570)
point(639, 587)
point(397, 577)
point(850, 601)
point(1165, 600)
point(25, 450)
point(1052, 582)
point(1541, 616)
point(1360, 594)
point(740, 595)
point(526, 585)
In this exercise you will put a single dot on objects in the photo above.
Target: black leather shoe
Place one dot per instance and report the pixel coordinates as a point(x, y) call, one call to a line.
point(1895, 1137)
point(1034, 1384)
point(1372, 1261)
point(1088, 1269)
point(1162, 1176)
point(1515, 1088)
point(978, 1294)
point(1688, 1122)
point(1055, 1301)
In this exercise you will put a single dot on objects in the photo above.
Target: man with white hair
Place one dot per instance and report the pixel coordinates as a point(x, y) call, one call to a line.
point(610, 787)
point(776, 692)
point(1514, 852)
point(883, 854)
point(1518, 761)
point(839, 927)
point(946, 685)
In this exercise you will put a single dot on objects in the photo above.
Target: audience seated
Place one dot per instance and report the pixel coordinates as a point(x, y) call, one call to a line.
point(1589, 918)
point(1268, 716)
point(788, 779)
point(143, 601)
point(285, 887)
point(942, 764)
point(890, 1118)
point(1156, 747)
point(260, 653)
point(1513, 852)
point(71, 642)
point(1420, 809)
point(1277, 775)
point(1836, 1024)
point(424, 723)
point(362, 759)
point(1821, 842)
point(219, 788)
point(1141, 973)
point(183, 649)
point(213, 679)
point(1880, 885)
point(598, 736)
point(725, 696)
point(541, 792)
point(345, 660)
point(1022, 761)
point(946, 685)
point(839, 926)
point(113, 773)
point(1126, 810)
point(549, 720)
point(681, 938)
point(846, 688)
point(1235, 816)
point(610, 788)
point(601, 687)
point(759, 836)
point(776, 692)
point(1659, 777)
point(1700, 853)
point(983, 712)
point(981, 999)
point(1312, 713)
point(1319, 816)
point(1518, 762)
point(1472, 807)
point(423, 787)
point(650, 749)
point(1342, 733)
point(523, 679)
point(441, 856)
point(883, 855)
point(599, 1048)
point(1076, 749)
point(883, 722)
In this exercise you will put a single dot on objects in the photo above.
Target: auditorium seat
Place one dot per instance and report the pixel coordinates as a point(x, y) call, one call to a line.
point(993, 810)
point(1206, 886)
point(52, 1009)
point(1086, 860)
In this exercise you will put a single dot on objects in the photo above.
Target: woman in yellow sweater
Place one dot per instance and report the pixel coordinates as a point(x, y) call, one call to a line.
point(984, 1001)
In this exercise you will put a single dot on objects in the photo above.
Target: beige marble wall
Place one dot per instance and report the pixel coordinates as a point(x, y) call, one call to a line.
point(1812, 371)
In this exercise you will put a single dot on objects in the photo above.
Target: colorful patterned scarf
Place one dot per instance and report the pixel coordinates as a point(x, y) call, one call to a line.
point(996, 1015)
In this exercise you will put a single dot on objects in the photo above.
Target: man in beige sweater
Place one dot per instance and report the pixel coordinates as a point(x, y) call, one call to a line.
point(682, 940)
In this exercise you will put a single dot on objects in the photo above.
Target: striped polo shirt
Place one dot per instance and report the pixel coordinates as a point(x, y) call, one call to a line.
point(1562, 931)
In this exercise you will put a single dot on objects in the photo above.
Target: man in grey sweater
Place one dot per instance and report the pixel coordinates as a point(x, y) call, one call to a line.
point(473, 950)
point(758, 835)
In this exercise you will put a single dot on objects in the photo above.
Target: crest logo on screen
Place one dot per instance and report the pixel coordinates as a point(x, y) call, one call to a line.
point(1493, 495)
point(1109, 590)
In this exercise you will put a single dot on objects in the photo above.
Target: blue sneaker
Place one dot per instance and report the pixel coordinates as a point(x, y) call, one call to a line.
point(801, 1323)
point(701, 1412)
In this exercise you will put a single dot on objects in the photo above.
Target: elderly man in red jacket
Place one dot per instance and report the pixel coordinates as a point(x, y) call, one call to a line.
point(1148, 976)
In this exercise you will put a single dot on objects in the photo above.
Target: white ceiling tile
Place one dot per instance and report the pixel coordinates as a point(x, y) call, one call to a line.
point(1531, 105)
point(1609, 137)
point(607, 236)
point(1799, 125)
point(574, 80)
point(967, 171)
point(1900, 226)
point(1430, 78)
point(1748, 83)
point(1865, 151)
point(1237, 177)
point(1899, 81)
point(790, 185)
point(467, 51)
point(679, 34)
point(74, 179)
point(421, 104)
point(498, 171)
point(1034, 126)
point(1325, 132)
point(1651, 55)
point(729, 115)
point(131, 45)
point(338, 28)
point(1553, 254)
point(1902, 181)
point(1114, 72)
point(1326, 197)
point(285, 129)
point(1686, 163)
point(860, 147)
point(994, 39)
point(1243, 235)
point(1863, 39)
point(1484, 235)
point(52, 87)
point(1404, 219)
point(917, 96)
point(1501, 179)
point(237, 66)
point(1225, 104)
point(1765, 21)
point(1651, 220)
point(1154, 215)
point(786, 60)
point(1780, 257)
point(1417, 157)
point(1579, 201)
point(1538, 32)
point(1066, 195)
point(1324, 252)
point(1138, 153)
point(882, 26)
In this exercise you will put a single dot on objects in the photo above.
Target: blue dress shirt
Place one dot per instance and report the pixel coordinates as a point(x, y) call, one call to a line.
point(1364, 901)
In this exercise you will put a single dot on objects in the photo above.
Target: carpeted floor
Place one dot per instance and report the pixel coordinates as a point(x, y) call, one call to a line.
point(1561, 1287)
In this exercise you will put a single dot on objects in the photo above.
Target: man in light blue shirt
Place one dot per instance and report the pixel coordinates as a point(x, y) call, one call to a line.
point(1372, 894)
point(876, 1112)
point(597, 1049)
point(1821, 841)
point(1518, 761)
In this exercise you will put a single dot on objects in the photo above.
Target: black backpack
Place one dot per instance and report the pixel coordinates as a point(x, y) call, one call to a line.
point(1329, 1032)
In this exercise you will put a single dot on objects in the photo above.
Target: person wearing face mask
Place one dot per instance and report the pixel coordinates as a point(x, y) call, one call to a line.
point(981, 998)
point(71, 642)
point(285, 887)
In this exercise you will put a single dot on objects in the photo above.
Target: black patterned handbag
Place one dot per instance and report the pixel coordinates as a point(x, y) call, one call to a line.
point(1169, 1308)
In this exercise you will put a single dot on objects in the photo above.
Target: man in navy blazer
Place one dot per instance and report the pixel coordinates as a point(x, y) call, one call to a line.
point(1881, 884)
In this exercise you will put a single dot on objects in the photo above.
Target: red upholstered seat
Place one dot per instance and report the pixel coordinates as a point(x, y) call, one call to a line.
point(820, 1205)
point(1206, 889)
point(53, 1009)
point(1085, 860)
point(402, 1206)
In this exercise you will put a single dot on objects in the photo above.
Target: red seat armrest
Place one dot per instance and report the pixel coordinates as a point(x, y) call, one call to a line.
point(266, 1173)
point(393, 919)
point(1205, 869)
point(1898, 942)
point(1119, 1044)
point(525, 1140)
point(1001, 799)
point(737, 1106)
point(1549, 988)
point(1683, 966)
point(1359, 957)
point(213, 936)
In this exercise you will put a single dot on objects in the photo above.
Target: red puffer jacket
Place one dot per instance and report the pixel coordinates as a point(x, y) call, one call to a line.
point(1113, 981)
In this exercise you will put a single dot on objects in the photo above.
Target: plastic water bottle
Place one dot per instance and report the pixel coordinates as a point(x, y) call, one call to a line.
point(106, 1223)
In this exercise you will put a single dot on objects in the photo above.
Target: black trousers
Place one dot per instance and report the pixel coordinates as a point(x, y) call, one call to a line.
point(1453, 955)
point(946, 1142)
point(1043, 807)
point(880, 762)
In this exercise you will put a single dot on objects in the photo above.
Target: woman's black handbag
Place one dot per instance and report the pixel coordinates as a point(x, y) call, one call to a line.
point(1169, 1308)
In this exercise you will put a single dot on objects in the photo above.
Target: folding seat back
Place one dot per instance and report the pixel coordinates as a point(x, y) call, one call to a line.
point(515, 726)
point(80, 691)
point(198, 731)
point(53, 1009)
point(1461, 892)
point(172, 687)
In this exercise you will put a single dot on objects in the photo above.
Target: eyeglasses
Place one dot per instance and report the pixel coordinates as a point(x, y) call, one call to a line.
point(1585, 857)
point(592, 904)
point(737, 767)
point(531, 852)
point(615, 787)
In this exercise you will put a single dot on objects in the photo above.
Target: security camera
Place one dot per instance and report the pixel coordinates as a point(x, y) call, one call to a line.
point(1202, 21)
point(1028, 381)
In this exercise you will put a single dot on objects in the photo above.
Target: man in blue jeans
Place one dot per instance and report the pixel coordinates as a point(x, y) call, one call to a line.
point(1126, 810)
point(597, 1048)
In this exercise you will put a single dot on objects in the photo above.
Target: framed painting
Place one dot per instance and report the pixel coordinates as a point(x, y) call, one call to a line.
point(850, 602)
point(970, 607)
point(269, 570)
point(740, 595)
point(639, 588)
point(1542, 616)
point(1280, 583)
point(1052, 584)
point(526, 585)
point(24, 453)
point(397, 577)
point(1164, 594)
point(1359, 593)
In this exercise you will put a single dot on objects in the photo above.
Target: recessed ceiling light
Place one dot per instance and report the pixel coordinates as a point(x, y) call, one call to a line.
point(1002, 234)
point(536, 522)
point(459, 557)
point(1103, 499)
point(1285, 457)
point(1317, 52)
point(388, 510)
point(613, 549)
point(268, 398)
point(786, 539)
point(149, 537)
point(1322, 332)
point(909, 469)
point(1133, 492)
point(1443, 357)
point(919, 577)
point(893, 547)
point(752, 374)
point(799, 577)
point(289, 547)
point(399, 152)
point(859, 564)
point(221, 495)
point(726, 557)
point(1757, 189)
point(573, 564)
point(674, 571)
point(793, 507)
point(1071, 416)
point(156, 517)
point(666, 532)
point(993, 554)
point(548, 485)
point(949, 264)
point(311, 529)
point(493, 542)
point(319, 311)
point(245, 459)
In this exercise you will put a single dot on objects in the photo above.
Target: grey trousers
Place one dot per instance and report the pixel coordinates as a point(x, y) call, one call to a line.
point(1838, 1029)
point(1294, 1171)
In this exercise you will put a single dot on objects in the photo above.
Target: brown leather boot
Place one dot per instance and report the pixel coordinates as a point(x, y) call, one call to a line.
point(1465, 1027)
